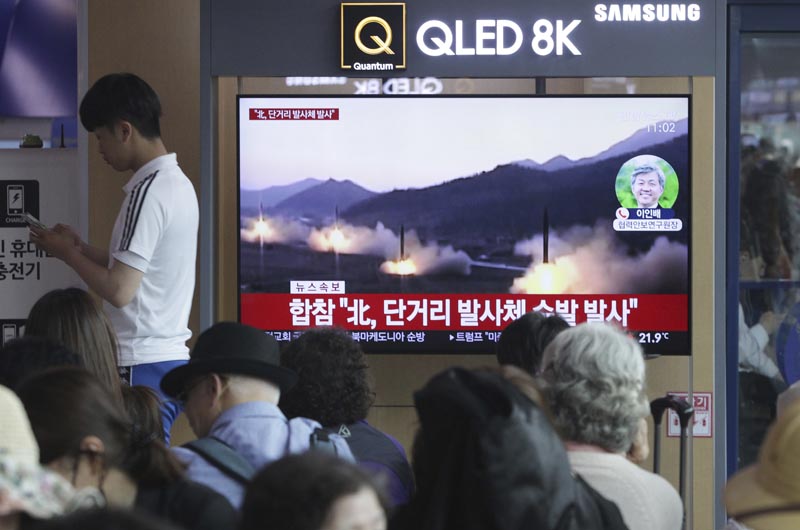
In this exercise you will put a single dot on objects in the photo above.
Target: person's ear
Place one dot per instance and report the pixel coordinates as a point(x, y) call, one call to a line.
point(125, 130)
point(94, 446)
point(216, 385)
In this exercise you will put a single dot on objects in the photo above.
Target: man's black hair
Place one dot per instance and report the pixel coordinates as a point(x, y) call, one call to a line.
point(29, 355)
point(522, 342)
point(127, 97)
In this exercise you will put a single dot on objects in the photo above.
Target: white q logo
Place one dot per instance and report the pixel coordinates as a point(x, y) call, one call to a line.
point(383, 44)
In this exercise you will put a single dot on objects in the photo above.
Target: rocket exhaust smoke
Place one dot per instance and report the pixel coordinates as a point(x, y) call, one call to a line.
point(592, 261)
point(343, 238)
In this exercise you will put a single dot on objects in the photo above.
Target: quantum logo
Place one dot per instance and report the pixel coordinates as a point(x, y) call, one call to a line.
point(373, 36)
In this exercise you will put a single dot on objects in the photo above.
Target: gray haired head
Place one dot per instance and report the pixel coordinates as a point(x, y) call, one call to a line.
point(646, 169)
point(595, 378)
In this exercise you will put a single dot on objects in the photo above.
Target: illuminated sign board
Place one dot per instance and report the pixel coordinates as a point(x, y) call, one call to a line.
point(373, 36)
point(469, 38)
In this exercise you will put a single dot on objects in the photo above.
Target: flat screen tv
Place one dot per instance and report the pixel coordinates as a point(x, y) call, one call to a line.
point(428, 224)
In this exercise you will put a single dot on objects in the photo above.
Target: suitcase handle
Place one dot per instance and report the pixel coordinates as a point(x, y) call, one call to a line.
point(685, 412)
point(682, 407)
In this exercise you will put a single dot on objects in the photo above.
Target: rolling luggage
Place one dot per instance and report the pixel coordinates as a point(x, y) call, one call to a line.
point(685, 411)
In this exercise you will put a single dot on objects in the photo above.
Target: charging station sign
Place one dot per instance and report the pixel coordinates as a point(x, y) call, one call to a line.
point(18, 197)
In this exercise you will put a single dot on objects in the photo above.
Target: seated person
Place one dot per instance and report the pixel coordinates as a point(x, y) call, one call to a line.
point(522, 342)
point(72, 318)
point(752, 342)
point(313, 491)
point(760, 380)
point(87, 438)
point(486, 457)
point(332, 388)
point(595, 378)
point(647, 185)
point(230, 390)
point(143, 406)
point(766, 495)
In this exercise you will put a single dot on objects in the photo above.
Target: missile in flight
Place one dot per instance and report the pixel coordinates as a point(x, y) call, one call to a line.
point(545, 237)
point(402, 242)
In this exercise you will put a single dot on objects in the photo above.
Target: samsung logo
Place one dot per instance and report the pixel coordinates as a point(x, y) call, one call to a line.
point(647, 12)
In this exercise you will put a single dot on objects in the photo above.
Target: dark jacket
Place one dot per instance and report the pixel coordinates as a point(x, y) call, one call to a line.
point(487, 458)
point(188, 505)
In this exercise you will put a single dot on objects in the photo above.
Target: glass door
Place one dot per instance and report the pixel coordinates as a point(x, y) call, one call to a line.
point(763, 220)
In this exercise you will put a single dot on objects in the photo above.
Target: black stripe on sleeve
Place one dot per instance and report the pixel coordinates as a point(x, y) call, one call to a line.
point(136, 210)
point(132, 198)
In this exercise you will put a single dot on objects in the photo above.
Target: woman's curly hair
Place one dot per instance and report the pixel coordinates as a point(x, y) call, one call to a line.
point(594, 379)
point(332, 386)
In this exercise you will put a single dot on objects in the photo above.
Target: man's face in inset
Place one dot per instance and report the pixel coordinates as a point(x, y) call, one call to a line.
point(647, 189)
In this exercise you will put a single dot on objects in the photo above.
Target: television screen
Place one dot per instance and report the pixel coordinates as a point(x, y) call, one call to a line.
point(428, 224)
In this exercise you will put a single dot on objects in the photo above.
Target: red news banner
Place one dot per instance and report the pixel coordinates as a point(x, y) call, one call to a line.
point(662, 312)
point(294, 114)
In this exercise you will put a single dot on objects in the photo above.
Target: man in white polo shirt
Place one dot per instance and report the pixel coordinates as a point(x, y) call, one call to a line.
point(147, 275)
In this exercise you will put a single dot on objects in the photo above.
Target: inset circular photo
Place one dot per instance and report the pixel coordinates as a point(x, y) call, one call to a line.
point(646, 181)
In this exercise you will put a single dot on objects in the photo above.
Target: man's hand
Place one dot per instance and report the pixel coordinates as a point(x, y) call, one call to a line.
point(97, 255)
point(68, 231)
point(117, 285)
point(54, 243)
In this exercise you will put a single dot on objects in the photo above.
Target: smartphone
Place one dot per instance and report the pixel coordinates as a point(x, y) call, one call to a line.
point(9, 332)
point(33, 221)
point(15, 194)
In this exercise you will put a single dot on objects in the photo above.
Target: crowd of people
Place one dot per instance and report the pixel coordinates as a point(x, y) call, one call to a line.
point(552, 437)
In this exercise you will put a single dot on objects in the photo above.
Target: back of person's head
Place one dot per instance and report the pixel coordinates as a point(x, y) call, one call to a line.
point(312, 491)
point(332, 380)
point(487, 457)
point(72, 318)
point(106, 519)
point(67, 405)
point(149, 455)
point(766, 495)
point(522, 342)
point(122, 97)
point(25, 356)
point(143, 407)
point(595, 379)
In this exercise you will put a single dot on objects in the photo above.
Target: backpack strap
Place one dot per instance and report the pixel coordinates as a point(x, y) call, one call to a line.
point(319, 440)
point(223, 457)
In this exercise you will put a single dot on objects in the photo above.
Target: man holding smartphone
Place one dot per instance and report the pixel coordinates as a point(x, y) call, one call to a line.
point(147, 275)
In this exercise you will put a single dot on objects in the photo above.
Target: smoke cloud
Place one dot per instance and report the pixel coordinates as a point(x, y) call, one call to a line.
point(272, 230)
point(593, 261)
point(429, 258)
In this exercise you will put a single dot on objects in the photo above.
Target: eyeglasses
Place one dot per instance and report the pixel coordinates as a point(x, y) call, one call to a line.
point(183, 396)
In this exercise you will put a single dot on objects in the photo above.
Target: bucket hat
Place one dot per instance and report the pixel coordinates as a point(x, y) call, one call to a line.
point(24, 485)
point(766, 495)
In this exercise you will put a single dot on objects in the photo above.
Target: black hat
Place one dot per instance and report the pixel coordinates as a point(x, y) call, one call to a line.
point(232, 348)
